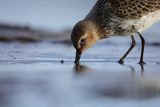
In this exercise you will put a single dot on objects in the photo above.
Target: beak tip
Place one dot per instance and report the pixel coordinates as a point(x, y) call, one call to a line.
point(78, 56)
point(76, 62)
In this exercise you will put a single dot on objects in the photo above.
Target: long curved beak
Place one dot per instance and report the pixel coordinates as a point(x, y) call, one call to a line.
point(78, 56)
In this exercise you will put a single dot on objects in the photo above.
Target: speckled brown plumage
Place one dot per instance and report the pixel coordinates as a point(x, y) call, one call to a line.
point(130, 9)
point(109, 15)
point(133, 9)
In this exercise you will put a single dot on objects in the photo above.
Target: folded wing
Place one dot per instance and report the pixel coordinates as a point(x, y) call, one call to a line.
point(132, 9)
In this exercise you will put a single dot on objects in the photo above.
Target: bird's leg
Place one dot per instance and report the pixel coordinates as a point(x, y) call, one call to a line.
point(121, 61)
point(142, 51)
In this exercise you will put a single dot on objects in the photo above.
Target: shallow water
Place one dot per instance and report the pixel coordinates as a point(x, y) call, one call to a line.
point(32, 75)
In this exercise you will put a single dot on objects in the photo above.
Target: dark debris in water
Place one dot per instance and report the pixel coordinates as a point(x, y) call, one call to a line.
point(62, 61)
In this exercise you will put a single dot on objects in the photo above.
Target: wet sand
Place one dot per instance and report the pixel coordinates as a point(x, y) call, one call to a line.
point(33, 75)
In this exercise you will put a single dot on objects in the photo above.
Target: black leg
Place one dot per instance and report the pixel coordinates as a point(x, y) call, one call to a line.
point(121, 61)
point(142, 51)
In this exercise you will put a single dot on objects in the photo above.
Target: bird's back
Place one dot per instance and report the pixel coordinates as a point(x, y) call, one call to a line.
point(129, 9)
point(113, 14)
point(133, 9)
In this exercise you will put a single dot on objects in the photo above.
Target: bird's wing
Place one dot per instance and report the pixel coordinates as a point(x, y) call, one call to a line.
point(132, 9)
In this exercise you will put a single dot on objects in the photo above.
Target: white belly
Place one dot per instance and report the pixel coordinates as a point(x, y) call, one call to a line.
point(142, 23)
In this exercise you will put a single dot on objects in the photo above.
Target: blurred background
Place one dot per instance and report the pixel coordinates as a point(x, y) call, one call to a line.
point(50, 14)
point(35, 20)
point(36, 60)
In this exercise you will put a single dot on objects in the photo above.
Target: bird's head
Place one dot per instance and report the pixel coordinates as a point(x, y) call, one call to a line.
point(83, 36)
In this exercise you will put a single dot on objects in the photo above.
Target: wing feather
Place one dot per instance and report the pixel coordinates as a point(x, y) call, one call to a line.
point(132, 9)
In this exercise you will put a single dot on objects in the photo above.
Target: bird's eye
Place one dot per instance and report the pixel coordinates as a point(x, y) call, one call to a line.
point(82, 42)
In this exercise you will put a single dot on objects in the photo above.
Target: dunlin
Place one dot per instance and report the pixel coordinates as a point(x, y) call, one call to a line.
point(115, 18)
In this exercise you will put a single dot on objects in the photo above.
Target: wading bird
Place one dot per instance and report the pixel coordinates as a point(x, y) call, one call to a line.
point(115, 18)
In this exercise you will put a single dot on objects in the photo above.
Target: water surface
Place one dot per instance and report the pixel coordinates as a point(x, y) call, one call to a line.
point(33, 75)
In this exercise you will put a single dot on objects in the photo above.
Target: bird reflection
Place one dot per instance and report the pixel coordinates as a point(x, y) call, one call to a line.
point(78, 68)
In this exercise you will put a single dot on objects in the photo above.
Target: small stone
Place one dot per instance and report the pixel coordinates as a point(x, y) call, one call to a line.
point(62, 61)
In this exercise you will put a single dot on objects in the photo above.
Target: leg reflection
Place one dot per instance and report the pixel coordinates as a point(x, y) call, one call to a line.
point(142, 69)
point(133, 69)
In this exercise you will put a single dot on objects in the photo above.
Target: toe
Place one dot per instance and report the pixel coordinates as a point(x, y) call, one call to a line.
point(121, 61)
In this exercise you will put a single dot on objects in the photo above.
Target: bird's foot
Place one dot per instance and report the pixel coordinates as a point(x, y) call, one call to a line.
point(121, 61)
point(142, 62)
